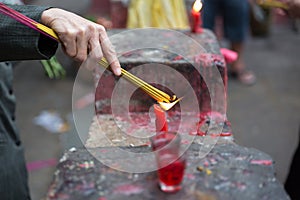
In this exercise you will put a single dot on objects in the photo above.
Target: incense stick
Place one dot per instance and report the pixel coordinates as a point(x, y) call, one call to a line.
point(27, 21)
point(273, 3)
point(155, 93)
point(152, 91)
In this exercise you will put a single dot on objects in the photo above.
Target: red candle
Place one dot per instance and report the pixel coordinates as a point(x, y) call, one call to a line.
point(196, 21)
point(161, 120)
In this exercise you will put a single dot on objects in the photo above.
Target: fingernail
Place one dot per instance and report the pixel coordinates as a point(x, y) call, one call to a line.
point(118, 71)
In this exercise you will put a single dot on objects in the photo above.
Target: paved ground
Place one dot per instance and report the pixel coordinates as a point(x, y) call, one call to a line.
point(264, 116)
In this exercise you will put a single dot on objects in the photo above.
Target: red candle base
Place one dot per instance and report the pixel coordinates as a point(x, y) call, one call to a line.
point(196, 22)
point(161, 120)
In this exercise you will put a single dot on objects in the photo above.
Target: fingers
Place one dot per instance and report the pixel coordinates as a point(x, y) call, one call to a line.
point(80, 36)
point(82, 42)
point(95, 54)
point(93, 42)
point(76, 41)
point(68, 41)
point(109, 53)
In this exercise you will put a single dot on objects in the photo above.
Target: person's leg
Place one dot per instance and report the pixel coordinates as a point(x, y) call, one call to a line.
point(236, 26)
point(209, 12)
point(238, 68)
point(13, 174)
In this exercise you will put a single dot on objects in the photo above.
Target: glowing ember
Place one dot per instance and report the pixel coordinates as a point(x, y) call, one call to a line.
point(168, 106)
point(197, 6)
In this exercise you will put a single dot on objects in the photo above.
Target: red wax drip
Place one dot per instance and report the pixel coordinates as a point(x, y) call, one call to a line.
point(161, 120)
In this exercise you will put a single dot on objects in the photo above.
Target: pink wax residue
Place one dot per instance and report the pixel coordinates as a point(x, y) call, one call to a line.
point(178, 58)
point(241, 186)
point(208, 59)
point(128, 189)
point(36, 165)
point(262, 162)
point(190, 176)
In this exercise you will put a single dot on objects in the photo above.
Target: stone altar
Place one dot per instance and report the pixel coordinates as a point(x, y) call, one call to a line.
point(228, 171)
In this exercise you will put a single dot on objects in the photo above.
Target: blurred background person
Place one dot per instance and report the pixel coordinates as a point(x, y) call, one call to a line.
point(157, 13)
point(235, 18)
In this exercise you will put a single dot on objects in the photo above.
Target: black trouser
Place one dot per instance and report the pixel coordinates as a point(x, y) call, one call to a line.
point(13, 174)
point(293, 179)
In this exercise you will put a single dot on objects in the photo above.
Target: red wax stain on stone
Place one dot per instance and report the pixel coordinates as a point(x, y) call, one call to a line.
point(178, 58)
point(208, 59)
point(206, 164)
point(103, 150)
point(241, 186)
point(262, 162)
point(226, 134)
point(185, 142)
point(128, 189)
point(190, 176)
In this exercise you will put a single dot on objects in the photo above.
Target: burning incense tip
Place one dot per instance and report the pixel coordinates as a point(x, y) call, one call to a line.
point(168, 106)
point(273, 3)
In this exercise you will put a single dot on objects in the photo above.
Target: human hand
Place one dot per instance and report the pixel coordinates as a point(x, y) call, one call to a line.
point(80, 37)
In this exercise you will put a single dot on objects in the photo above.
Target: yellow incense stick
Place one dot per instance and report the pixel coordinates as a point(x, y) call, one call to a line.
point(47, 30)
point(149, 89)
point(155, 93)
point(273, 3)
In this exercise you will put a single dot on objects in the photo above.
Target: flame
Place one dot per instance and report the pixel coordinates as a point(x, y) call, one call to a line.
point(168, 106)
point(197, 6)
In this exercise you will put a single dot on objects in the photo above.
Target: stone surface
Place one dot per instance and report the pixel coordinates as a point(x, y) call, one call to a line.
point(135, 129)
point(228, 172)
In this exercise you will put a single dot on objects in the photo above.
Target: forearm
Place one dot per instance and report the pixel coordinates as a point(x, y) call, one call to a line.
point(19, 42)
point(77, 35)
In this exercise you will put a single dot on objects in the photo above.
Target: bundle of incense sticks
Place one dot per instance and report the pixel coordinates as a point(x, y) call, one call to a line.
point(273, 3)
point(155, 93)
point(27, 21)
